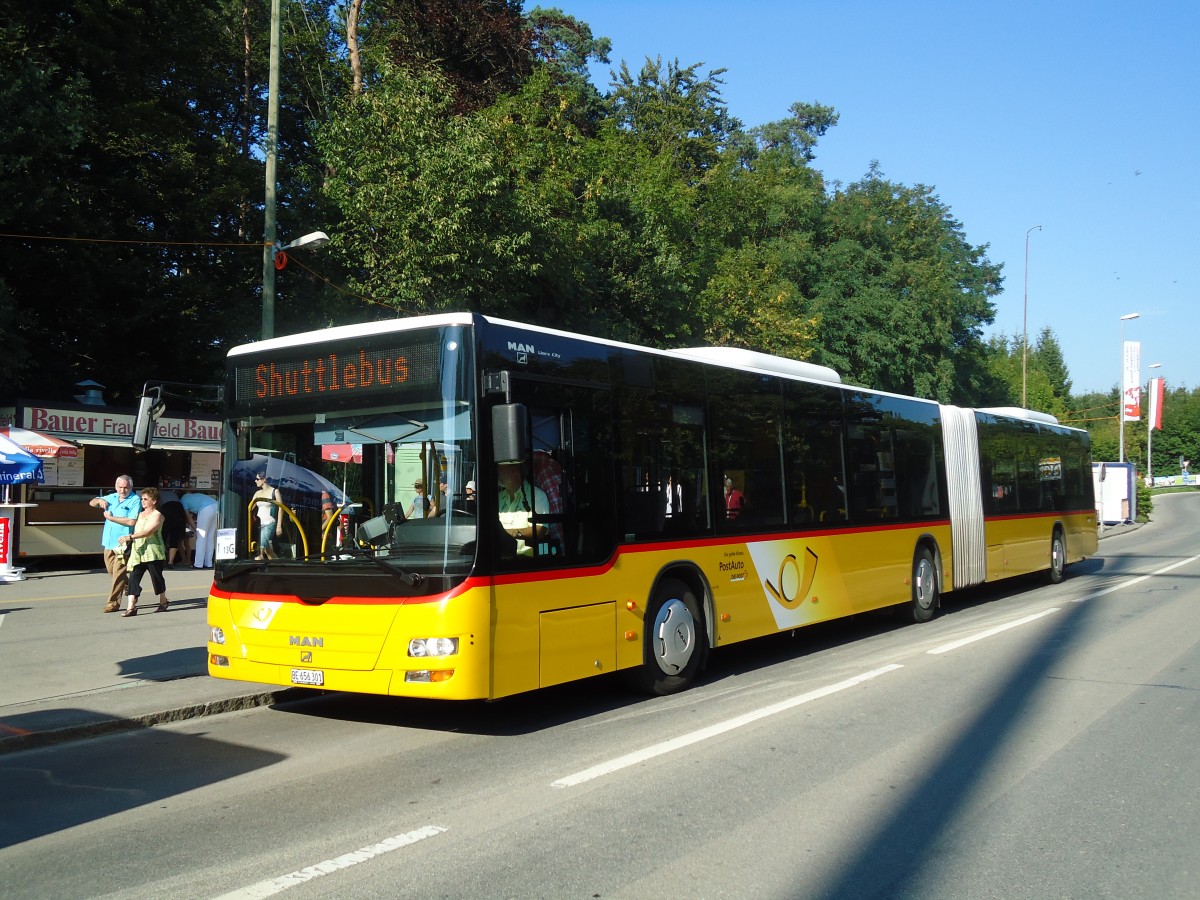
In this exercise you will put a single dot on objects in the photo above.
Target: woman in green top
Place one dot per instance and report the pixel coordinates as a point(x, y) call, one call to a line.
point(148, 553)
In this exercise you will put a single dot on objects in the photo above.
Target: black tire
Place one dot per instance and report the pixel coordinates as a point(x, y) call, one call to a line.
point(1058, 557)
point(926, 596)
point(674, 643)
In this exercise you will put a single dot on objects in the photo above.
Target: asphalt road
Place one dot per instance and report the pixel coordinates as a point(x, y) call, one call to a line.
point(1033, 741)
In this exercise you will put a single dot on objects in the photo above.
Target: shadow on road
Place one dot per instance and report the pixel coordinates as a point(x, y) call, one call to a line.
point(890, 860)
point(84, 782)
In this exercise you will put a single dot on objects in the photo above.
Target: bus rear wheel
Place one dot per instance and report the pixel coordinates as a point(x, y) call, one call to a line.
point(1058, 557)
point(675, 641)
point(925, 593)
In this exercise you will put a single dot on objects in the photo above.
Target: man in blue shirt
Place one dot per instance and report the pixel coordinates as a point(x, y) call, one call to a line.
point(121, 510)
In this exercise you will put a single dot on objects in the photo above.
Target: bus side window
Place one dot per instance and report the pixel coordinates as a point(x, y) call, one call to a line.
point(746, 411)
point(660, 421)
point(813, 455)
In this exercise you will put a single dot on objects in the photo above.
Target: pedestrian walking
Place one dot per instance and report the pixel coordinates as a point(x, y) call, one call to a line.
point(121, 509)
point(148, 553)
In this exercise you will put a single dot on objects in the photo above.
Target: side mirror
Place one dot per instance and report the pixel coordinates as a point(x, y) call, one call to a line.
point(150, 410)
point(510, 426)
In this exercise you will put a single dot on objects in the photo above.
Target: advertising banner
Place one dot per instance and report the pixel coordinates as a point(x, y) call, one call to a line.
point(1131, 382)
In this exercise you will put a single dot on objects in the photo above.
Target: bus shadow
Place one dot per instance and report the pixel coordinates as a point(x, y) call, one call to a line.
point(547, 708)
point(888, 862)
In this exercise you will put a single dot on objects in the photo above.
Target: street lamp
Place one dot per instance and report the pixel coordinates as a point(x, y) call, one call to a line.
point(1151, 401)
point(271, 247)
point(1121, 387)
point(268, 294)
point(1025, 325)
point(312, 240)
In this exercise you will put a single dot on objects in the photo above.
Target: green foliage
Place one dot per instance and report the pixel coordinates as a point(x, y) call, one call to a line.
point(419, 194)
point(798, 134)
point(565, 43)
point(902, 297)
point(1040, 375)
point(478, 168)
point(124, 132)
point(1145, 500)
point(479, 51)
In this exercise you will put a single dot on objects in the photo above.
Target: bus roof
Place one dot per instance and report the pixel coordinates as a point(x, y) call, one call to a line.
point(733, 357)
point(1016, 412)
point(740, 358)
point(362, 329)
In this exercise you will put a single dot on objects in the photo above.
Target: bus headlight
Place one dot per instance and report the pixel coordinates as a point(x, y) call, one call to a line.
point(217, 635)
point(433, 647)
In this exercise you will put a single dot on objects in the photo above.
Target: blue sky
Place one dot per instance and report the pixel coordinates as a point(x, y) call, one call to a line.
point(1081, 117)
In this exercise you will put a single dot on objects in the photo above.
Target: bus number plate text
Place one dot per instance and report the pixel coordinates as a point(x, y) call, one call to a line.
point(309, 677)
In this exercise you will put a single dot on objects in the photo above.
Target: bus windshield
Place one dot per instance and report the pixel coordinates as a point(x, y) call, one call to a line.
point(354, 458)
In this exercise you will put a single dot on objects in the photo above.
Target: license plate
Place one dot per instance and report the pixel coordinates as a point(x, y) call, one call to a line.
point(310, 677)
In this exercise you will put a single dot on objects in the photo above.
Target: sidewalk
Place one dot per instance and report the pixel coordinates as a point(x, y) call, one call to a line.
point(68, 670)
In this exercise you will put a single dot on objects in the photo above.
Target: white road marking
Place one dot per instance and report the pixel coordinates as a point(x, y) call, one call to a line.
point(703, 734)
point(954, 645)
point(1132, 581)
point(275, 885)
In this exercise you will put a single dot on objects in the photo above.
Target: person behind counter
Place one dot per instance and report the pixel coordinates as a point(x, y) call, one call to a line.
point(121, 509)
point(201, 511)
point(148, 553)
point(175, 526)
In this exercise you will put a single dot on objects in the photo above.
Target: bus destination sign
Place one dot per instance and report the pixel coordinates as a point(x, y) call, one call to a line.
point(334, 374)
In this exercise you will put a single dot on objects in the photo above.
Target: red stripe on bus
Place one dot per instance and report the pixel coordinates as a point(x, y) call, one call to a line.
point(484, 581)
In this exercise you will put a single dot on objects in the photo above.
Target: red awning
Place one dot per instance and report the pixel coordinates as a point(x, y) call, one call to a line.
point(41, 445)
point(346, 453)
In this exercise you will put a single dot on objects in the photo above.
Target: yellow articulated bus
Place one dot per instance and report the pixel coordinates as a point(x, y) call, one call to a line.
point(456, 506)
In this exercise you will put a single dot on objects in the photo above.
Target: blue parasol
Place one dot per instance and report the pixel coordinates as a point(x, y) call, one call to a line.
point(17, 466)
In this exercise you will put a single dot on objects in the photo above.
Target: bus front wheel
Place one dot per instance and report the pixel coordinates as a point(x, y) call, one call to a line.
point(674, 642)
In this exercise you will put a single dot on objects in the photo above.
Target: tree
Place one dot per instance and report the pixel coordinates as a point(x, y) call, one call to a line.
point(798, 134)
point(676, 114)
point(123, 168)
point(902, 297)
point(760, 221)
point(1045, 381)
point(480, 50)
point(566, 44)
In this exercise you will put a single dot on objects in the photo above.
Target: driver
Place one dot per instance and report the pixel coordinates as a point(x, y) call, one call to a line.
point(518, 499)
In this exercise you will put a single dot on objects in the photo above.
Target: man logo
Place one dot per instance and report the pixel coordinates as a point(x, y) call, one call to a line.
point(522, 351)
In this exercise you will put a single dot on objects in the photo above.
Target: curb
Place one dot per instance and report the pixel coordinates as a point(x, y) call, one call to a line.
point(114, 725)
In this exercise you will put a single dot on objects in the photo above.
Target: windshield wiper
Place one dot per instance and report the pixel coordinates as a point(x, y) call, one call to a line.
point(357, 554)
